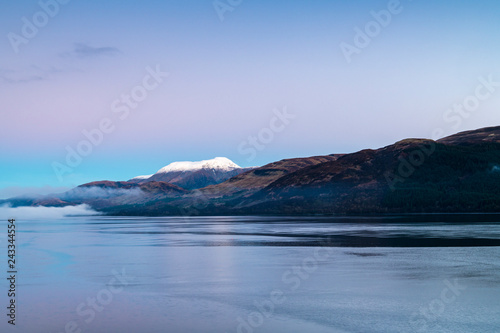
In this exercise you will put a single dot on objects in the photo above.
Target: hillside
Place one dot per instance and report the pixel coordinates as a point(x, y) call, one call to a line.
point(459, 173)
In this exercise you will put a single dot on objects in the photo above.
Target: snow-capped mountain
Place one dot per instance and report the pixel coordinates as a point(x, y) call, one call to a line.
point(139, 178)
point(218, 163)
point(193, 175)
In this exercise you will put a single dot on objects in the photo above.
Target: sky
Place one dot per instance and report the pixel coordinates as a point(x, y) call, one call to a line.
point(93, 90)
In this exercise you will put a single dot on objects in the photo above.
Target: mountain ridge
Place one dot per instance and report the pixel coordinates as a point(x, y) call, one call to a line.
point(194, 175)
point(458, 173)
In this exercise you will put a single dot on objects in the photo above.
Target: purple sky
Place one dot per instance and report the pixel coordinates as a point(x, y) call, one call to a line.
point(228, 78)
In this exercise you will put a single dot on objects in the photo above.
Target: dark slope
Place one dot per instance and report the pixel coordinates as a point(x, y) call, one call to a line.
point(459, 173)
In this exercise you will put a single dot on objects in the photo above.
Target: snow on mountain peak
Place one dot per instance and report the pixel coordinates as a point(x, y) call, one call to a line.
point(141, 177)
point(218, 163)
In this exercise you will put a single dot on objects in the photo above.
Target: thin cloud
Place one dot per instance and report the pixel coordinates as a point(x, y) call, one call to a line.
point(25, 79)
point(81, 50)
point(31, 74)
point(94, 192)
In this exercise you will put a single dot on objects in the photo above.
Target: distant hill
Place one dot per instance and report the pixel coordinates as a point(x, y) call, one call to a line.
point(459, 173)
point(193, 175)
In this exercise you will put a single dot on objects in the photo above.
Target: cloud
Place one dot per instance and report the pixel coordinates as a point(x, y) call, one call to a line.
point(95, 192)
point(35, 213)
point(13, 76)
point(30, 74)
point(16, 191)
point(81, 50)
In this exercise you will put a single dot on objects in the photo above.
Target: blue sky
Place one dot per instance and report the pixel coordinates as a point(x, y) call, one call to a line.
point(226, 79)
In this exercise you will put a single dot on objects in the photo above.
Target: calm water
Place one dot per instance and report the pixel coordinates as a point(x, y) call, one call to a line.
point(246, 274)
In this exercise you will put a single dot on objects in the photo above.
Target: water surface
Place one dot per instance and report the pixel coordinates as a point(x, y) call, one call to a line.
point(256, 274)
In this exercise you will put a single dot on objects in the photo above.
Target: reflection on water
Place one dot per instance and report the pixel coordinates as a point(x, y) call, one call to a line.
point(249, 274)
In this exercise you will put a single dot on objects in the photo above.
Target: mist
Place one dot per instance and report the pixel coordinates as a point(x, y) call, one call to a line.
point(95, 192)
point(35, 213)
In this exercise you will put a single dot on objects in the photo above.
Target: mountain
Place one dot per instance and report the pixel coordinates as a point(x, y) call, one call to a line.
point(459, 173)
point(483, 135)
point(103, 194)
point(258, 178)
point(194, 175)
point(139, 179)
point(456, 174)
